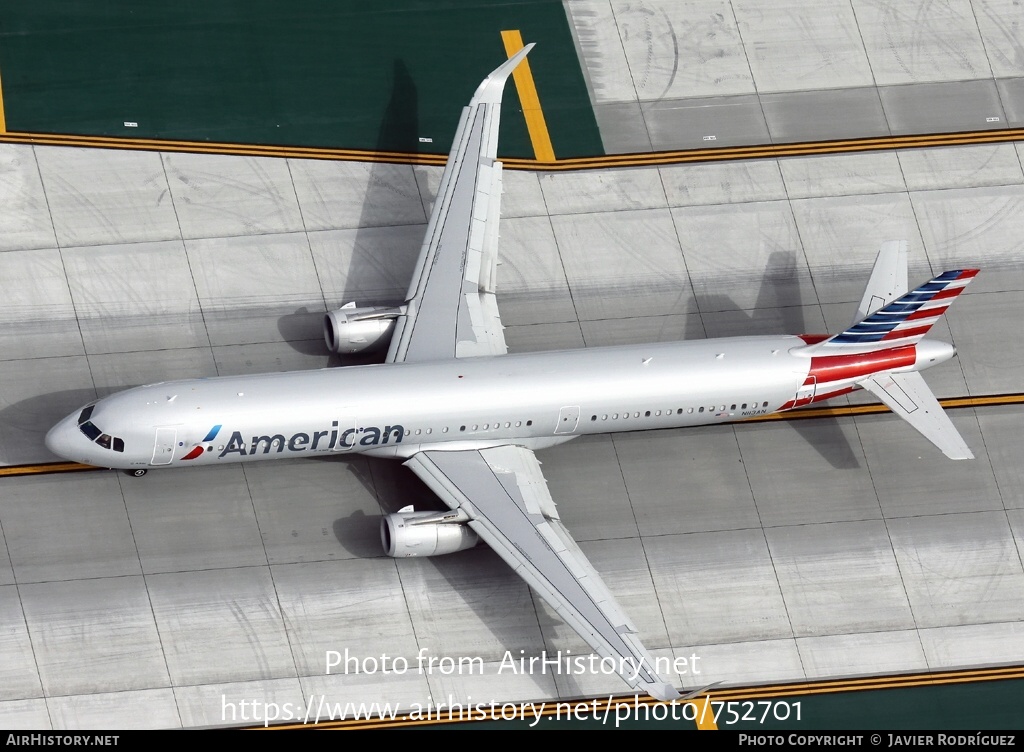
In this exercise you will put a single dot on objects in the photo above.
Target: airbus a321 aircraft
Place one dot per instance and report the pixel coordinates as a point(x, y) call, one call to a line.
point(467, 418)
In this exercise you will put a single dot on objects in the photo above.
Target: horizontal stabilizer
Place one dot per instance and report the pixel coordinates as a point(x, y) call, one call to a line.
point(907, 395)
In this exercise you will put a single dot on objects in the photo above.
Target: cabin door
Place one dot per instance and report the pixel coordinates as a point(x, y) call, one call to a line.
point(163, 448)
point(348, 435)
point(568, 419)
point(805, 393)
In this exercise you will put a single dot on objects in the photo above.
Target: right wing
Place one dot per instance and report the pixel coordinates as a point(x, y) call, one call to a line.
point(506, 497)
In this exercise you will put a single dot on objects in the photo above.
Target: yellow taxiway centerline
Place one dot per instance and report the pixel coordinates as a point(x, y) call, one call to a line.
point(3, 117)
point(44, 469)
point(651, 159)
point(535, 123)
point(712, 700)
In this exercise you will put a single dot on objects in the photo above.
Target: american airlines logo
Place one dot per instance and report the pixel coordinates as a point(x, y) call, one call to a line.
point(314, 440)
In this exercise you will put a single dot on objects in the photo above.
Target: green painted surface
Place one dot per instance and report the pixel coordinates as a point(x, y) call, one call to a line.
point(971, 706)
point(332, 73)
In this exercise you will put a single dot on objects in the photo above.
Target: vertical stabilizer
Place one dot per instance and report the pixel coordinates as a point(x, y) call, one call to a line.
point(888, 279)
point(901, 323)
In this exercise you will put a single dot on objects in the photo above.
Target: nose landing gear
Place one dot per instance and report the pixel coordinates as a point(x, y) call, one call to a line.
point(137, 472)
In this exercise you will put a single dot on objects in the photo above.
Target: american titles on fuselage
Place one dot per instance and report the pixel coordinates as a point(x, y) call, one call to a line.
point(314, 440)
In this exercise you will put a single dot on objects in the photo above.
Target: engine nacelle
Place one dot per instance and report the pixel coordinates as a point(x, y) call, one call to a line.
point(351, 330)
point(407, 533)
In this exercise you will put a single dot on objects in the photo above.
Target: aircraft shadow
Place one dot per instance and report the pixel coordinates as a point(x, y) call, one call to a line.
point(777, 311)
point(23, 425)
point(476, 570)
point(399, 128)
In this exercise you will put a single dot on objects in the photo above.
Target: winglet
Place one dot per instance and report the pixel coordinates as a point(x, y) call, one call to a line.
point(490, 89)
point(661, 691)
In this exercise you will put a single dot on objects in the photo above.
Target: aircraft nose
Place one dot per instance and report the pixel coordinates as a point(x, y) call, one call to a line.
point(62, 438)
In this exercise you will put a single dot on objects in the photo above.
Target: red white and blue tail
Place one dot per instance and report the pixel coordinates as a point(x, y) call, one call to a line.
point(903, 322)
point(883, 353)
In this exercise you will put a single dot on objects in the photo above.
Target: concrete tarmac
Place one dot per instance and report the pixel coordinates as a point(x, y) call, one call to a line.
point(773, 552)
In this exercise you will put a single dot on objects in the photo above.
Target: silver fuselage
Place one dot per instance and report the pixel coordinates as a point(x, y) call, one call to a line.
point(537, 399)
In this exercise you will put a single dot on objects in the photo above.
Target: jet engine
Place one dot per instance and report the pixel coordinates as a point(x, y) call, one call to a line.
point(407, 533)
point(351, 330)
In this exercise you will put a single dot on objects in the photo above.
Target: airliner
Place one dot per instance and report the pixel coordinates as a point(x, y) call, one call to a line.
point(467, 418)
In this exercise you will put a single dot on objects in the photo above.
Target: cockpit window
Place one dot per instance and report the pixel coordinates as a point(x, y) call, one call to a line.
point(105, 440)
point(90, 430)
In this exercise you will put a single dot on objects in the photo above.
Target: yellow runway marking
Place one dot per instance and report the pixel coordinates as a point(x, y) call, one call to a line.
point(875, 409)
point(735, 694)
point(49, 467)
point(3, 118)
point(871, 683)
point(535, 123)
point(704, 713)
point(651, 159)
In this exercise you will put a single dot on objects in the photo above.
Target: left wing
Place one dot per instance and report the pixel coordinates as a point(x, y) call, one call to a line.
point(451, 312)
point(505, 495)
point(450, 308)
